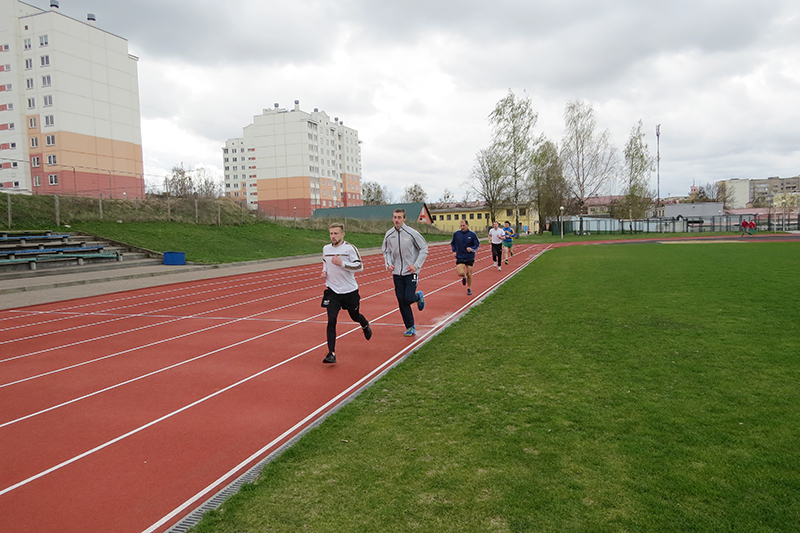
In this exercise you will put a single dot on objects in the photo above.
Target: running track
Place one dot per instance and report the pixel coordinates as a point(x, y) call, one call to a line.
point(125, 412)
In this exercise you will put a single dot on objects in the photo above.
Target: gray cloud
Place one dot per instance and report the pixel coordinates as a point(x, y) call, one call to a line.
point(418, 78)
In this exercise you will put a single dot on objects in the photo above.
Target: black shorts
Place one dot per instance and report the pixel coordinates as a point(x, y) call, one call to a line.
point(471, 262)
point(350, 300)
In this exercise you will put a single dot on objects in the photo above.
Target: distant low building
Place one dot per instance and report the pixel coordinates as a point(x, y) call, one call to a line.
point(447, 216)
point(698, 210)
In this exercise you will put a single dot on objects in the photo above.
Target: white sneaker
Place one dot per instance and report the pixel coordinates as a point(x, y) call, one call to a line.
point(499, 269)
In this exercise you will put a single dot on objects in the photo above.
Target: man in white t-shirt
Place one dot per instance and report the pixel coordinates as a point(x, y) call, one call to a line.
point(496, 235)
point(340, 262)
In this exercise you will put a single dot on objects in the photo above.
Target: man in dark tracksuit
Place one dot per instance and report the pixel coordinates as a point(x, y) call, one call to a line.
point(464, 244)
point(404, 252)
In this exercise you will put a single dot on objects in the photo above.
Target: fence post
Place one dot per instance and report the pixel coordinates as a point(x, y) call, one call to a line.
point(58, 210)
point(9, 210)
point(196, 214)
point(219, 214)
point(100, 203)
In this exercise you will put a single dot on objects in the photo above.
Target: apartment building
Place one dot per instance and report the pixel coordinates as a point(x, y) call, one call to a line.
point(289, 162)
point(764, 191)
point(69, 106)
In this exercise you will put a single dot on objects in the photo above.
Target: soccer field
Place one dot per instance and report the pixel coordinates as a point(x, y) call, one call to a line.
point(639, 387)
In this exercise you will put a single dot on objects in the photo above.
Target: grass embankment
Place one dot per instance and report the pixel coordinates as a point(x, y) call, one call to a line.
point(616, 388)
point(228, 244)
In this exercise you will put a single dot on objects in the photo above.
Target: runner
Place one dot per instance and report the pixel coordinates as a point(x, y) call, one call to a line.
point(464, 244)
point(340, 262)
point(404, 252)
point(508, 241)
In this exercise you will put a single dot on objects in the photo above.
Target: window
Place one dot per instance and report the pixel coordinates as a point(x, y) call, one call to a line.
point(463, 216)
point(34, 142)
point(28, 64)
point(51, 159)
point(480, 215)
point(49, 120)
point(35, 161)
point(522, 211)
point(53, 178)
point(45, 61)
point(448, 217)
point(29, 83)
point(43, 41)
point(31, 103)
point(26, 44)
point(32, 122)
point(509, 212)
point(472, 216)
point(46, 81)
point(51, 140)
point(37, 181)
point(48, 100)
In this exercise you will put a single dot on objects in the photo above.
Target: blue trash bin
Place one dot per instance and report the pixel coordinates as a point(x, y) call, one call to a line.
point(174, 258)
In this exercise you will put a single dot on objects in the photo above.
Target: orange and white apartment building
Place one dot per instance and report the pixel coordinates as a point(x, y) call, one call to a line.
point(289, 162)
point(69, 106)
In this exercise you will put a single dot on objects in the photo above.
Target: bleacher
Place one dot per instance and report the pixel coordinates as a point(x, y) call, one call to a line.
point(30, 250)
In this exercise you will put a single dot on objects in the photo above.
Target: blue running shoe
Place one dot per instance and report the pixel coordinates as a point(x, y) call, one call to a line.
point(410, 331)
point(464, 281)
point(420, 301)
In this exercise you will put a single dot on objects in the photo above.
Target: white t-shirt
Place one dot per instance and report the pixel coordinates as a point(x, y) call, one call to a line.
point(497, 235)
point(341, 279)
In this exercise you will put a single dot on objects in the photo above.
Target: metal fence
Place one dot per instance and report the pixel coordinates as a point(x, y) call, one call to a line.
point(23, 212)
point(775, 221)
point(20, 211)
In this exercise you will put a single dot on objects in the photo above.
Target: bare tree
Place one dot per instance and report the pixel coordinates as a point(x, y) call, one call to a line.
point(548, 187)
point(179, 183)
point(374, 194)
point(513, 121)
point(414, 194)
point(719, 192)
point(638, 166)
point(589, 158)
point(487, 180)
point(447, 197)
point(206, 185)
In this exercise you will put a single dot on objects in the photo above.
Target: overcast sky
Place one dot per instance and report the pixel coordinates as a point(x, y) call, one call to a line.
point(418, 79)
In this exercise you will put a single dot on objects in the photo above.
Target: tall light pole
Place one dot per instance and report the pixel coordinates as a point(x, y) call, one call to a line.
point(658, 168)
point(561, 222)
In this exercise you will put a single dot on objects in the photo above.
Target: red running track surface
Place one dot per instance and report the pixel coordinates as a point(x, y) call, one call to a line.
point(124, 412)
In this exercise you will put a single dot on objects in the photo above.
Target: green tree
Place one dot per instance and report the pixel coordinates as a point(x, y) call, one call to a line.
point(548, 187)
point(589, 158)
point(487, 180)
point(513, 121)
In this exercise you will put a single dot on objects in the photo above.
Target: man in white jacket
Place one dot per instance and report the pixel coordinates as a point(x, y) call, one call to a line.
point(404, 252)
point(340, 262)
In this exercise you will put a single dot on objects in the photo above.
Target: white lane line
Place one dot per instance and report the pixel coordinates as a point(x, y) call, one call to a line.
point(175, 412)
point(220, 286)
point(160, 370)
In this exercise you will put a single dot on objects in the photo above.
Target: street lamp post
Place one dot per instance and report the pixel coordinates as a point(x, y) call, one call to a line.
point(561, 222)
point(658, 167)
point(295, 218)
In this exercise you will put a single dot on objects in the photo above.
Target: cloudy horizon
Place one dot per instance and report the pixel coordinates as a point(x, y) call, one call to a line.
point(418, 80)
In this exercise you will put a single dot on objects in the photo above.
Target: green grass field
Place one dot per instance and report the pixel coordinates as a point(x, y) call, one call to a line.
point(630, 388)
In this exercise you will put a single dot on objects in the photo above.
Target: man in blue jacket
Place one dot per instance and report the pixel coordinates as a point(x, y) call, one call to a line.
point(464, 244)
